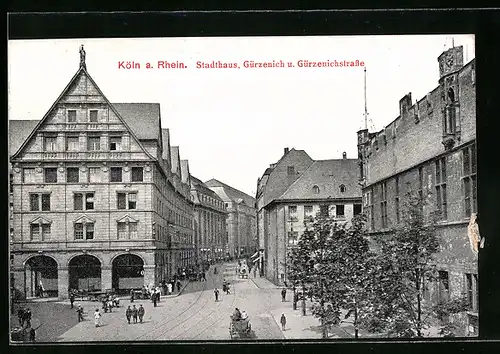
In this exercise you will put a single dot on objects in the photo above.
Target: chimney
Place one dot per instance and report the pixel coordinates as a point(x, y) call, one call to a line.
point(344, 155)
point(286, 151)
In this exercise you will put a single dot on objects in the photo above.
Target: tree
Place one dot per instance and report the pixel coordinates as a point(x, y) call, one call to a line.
point(405, 263)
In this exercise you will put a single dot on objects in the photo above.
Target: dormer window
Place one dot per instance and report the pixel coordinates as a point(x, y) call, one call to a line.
point(342, 188)
point(316, 190)
point(291, 171)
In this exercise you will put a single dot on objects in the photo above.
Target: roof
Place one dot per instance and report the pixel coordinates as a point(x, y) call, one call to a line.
point(142, 118)
point(202, 187)
point(19, 130)
point(232, 193)
point(328, 175)
point(175, 160)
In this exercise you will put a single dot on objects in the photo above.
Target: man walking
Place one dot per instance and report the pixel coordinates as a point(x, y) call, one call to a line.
point(283, 295)
point(140, 312)
point(216, 293)
point(131, 295)
point(128, 313)
point(134, 314)
point(283, 321)
point(169, 288)
point(97, 318)
point(20, 316)
point(27, 317)
point(71, 299)
point(178, 286)
point(79, 311)
point(154, 299)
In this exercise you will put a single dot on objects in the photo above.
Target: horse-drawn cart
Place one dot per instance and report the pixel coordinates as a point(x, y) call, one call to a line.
point(240, 328)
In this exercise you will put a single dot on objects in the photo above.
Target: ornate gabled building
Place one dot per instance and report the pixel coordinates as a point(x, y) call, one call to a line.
point(430, 149)
point(241, 225)
point(290, 193)
point(95, 204)
point(209, 223)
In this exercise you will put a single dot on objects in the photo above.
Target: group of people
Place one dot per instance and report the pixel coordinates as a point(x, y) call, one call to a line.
point(109, 302)
point(134, 313)
point(26, 331)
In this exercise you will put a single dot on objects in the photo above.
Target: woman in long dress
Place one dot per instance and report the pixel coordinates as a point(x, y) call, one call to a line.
point(97, 318)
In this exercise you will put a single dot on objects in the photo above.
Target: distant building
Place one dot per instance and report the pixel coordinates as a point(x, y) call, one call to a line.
point(209, 223)
point(241, 221)
point(431, 149)
point(291, 192)
point(95, 204)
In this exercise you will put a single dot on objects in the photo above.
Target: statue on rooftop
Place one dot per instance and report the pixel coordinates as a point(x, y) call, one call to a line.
point(82, 57)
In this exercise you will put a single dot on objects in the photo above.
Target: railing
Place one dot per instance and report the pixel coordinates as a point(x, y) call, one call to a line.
point(83, 155)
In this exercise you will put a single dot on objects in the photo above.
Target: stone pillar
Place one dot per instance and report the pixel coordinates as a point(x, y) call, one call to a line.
point(106, 277)
point(149, 274)
point(62, 282)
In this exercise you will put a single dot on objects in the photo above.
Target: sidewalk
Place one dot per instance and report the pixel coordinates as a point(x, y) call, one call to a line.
point(263, 283)
point(297, 326)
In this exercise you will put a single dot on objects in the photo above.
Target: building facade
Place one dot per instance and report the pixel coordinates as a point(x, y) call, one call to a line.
point(290, 194)
point(95, 204)
point(430, 149)
point(241, 222)
point(209, 223)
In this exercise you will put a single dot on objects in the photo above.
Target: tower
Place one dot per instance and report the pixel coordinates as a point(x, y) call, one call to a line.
point(450, 62)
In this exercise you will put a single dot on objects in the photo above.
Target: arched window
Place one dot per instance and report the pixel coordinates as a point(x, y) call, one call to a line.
point(316, 190)
point(451, 94)
point(342, 188)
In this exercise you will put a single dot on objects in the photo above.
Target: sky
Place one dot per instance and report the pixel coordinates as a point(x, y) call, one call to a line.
point(231, 124)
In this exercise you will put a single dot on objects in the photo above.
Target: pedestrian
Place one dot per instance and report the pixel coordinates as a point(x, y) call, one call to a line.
point(141, 312)
point(32, 335)
point(283, 321)
point(27, 317)
point(110, 304)
point(216, 293)
point(283, 295)
point(158, 293)
point(169, 288)
point(79, 311)
point(128, 313)
point(254, 271)
point(184, 274)
point(20, 316)
point(178, 286)
point(154, 299)
point(71, 299)
point(131, 295)
point(97, 318)
point(134, 314)
point(164, 286)
point(205, 276)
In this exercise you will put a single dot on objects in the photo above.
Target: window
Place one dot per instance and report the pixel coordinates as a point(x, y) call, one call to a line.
point(126, 200)
point(122, 230)
point(292, 211)
point(93, 116)
point(450, 119)
point(115, 143)
point(40, 202)
point(291, 171)
point(93, 143)
point(308, 212)
point(29, 175)
point(293, 237)
point(95, 175)
point(46, 230)
point(469, 181)
point(357, 209)
point(137, 174)
point(71, 116)
point(72, 143)
point(34, 232)
point(339, 208)
point(342, 188)
point(383, 204)
point(78, 199)
point(72, 175)
point(443, 286)
point(116, 174)
point(472, 291)
point(396, 200)
point(84, 231)
point(50, 175)
point(316, 190)
point(441, 203)
point(50, 143)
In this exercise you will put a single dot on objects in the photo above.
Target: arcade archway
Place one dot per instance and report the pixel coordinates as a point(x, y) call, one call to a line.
point(41, 277)
point(127, 273)
point(84, 273)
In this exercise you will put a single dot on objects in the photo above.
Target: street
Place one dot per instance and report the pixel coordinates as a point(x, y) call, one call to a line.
point(193, 315)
